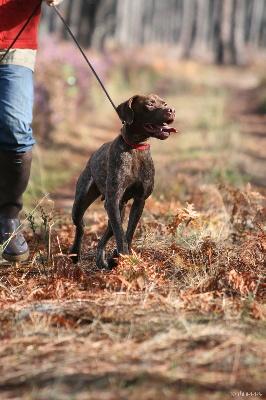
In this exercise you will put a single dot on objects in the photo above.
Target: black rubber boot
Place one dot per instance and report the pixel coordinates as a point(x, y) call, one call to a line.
point(14, 177)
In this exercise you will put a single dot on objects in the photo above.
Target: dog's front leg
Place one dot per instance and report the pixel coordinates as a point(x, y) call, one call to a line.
point(134, 217)
point(115, 215)
point(100, 256)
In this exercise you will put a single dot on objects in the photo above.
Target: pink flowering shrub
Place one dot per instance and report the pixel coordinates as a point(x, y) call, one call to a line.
point(63, 82)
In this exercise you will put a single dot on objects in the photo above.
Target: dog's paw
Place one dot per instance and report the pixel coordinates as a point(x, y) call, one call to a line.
point(102, 265)
point(112, 261)
point(101, 262)
point(74, 257)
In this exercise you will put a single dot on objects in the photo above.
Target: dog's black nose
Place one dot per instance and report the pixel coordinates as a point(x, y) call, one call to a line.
point(171, 111)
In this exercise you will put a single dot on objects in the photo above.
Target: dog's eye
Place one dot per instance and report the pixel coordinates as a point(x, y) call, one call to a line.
point(150, 104)
point(165, 104)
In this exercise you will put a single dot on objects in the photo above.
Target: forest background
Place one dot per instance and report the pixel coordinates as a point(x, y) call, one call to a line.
point(223, 31)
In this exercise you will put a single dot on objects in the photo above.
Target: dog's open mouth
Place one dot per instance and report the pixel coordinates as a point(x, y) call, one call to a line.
point(161, 132)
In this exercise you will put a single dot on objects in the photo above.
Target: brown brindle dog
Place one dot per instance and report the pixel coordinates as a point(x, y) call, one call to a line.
point(122, 170)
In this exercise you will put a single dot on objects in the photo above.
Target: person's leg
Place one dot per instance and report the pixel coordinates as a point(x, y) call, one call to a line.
point(16, 142)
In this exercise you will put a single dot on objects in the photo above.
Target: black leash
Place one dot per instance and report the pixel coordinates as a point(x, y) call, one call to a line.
point(84, 55)
point(21, 30)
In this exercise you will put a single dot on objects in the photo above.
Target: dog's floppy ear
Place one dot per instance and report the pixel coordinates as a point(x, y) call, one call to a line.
point(125, 111)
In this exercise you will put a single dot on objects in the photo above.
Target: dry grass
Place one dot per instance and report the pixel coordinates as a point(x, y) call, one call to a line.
point(185, 313)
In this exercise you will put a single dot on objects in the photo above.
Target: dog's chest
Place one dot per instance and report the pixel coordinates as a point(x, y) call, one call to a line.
point(138, 165)
point(137, 172)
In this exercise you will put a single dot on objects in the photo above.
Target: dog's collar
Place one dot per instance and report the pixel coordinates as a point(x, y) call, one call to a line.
point(137, 146)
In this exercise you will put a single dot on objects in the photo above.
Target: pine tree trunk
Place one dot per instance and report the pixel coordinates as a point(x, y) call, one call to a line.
point(227, 31)
point(187, 27)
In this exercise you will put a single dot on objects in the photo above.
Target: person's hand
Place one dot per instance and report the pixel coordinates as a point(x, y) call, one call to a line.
point(53, 2)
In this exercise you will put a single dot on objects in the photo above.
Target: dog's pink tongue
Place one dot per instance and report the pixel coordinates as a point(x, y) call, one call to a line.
point(167, 128)
point(157, 129)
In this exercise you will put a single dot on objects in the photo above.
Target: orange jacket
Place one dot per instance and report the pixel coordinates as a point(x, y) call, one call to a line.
point(13, 15)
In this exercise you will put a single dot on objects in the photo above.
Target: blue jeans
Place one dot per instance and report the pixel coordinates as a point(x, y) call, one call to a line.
point(16, 103)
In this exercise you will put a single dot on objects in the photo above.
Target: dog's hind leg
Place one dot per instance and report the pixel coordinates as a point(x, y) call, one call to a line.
point(87, 192)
